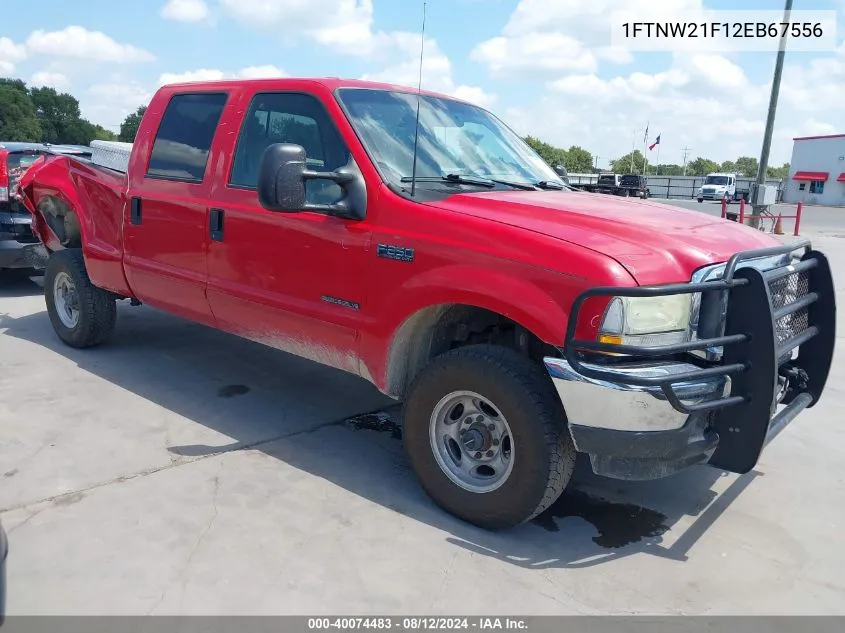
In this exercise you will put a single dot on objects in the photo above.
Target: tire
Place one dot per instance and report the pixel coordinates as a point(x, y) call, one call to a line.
point(95, 308)
point(700, 200)
point(542, 455)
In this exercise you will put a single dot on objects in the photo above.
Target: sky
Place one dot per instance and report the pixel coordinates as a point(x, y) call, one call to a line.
point(546, 67)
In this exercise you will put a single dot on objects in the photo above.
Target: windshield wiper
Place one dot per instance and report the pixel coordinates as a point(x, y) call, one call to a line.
point(550, 184)
point(456, 178)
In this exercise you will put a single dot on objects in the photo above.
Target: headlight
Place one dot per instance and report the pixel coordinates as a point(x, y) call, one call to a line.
point(647, 321)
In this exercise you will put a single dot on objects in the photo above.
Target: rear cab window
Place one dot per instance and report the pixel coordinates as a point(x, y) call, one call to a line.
point(184, 137)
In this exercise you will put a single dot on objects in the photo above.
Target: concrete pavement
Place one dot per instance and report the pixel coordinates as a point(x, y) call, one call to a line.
point(180, 470)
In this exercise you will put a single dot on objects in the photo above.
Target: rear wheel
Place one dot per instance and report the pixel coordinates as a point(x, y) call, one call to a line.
point(700, 200)
point(486, 436)
point(82, 314)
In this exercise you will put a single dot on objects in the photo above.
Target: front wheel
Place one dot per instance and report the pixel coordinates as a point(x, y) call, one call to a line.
point(700, 200)
point(82, 314)
point(486, 436)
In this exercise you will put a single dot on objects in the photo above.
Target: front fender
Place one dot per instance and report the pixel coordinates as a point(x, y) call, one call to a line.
point(537, 299)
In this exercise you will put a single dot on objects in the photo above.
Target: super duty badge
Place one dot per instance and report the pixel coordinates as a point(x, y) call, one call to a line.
point(399, 253)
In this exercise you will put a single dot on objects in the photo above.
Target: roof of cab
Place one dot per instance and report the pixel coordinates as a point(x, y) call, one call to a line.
point(332, 83)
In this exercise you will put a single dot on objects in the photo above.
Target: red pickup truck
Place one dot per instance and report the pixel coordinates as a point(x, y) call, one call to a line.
point(416, 241)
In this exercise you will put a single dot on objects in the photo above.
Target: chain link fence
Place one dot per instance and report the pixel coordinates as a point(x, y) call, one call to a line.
point(679, 187)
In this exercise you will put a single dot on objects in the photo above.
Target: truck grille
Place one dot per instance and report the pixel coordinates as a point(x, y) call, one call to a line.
point(783, 292)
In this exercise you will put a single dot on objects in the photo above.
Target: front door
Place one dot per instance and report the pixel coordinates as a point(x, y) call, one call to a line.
point(295, 281)
point(166, 233)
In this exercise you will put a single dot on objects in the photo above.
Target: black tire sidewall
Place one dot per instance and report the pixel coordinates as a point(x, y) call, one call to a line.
point(518, 498)
point(71, 262)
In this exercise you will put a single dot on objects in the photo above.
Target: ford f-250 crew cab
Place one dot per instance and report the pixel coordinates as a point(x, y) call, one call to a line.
point(445, 262)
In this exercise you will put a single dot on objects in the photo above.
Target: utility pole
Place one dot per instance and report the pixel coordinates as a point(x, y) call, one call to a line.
point(770, 119)
point(596, 163)
point(686, 153)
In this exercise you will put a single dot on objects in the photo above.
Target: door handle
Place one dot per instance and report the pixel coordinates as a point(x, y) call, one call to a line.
point(135, 211)
point(215, 221)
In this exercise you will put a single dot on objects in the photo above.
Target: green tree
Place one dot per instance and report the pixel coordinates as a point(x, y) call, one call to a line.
point(130, 125)
point(667, 170)
point(58, 115)
point(102, 134)
point(578, 160)
point(778, 172)
point(623, 165)
point(701, 167)
point(729, 167)
point(18, 121)
point(747, 166)
point(552, 155)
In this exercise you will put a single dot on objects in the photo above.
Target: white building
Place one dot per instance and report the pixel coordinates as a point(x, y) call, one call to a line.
point(817, 171)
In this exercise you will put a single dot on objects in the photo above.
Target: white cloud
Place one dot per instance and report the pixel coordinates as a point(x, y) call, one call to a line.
point(80, 43)
point(437, 73)
point(52, 80)
point(185, 10)
point(534, 52)
point(109, 103)
point(562, 36)
point(344, 24)
point(10, 55)
point(215, 74)
point(261, 72)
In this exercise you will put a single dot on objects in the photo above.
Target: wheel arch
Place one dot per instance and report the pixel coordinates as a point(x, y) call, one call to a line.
point(435, 329)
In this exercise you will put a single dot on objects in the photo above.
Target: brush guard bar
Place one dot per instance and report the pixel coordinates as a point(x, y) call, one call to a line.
point(758, 349)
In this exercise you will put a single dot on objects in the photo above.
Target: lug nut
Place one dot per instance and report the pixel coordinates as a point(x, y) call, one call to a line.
point(489, 453)
point(492, 427)
point(478, 456)
point(479, 418)
point(495, 442)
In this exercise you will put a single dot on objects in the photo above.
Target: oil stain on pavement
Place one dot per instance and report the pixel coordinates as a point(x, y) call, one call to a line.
point(617, 524)
point(230, 391)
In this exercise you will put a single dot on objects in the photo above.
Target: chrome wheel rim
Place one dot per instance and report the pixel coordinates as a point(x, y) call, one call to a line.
point(66, 300)
point(471, 441)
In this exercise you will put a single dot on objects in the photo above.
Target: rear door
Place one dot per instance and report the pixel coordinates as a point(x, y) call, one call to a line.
point(166, 228)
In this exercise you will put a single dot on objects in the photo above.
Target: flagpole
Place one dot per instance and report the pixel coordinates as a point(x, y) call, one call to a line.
point(658, 157)
point(645, 150)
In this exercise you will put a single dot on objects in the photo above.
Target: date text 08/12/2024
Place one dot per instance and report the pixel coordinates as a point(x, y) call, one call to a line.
point(419, 623)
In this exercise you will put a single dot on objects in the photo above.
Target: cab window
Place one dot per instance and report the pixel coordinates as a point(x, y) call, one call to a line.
point(290, 118)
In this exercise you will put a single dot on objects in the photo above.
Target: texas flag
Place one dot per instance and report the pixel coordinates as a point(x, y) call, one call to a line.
point(655, 144)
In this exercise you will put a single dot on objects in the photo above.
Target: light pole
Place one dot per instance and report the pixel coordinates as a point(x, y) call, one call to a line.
point(770, 119)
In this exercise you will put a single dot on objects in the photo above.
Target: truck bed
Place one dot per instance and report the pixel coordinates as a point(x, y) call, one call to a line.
point(78, 203)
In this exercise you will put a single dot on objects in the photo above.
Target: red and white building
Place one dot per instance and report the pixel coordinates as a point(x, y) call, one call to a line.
point(817, 171)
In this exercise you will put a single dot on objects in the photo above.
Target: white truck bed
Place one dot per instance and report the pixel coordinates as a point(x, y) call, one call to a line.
point(111, 154)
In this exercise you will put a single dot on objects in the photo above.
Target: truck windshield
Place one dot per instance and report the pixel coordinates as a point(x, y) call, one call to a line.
point(454, 138)
point(716, 180)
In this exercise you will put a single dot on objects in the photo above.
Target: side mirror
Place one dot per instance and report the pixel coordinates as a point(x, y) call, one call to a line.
point(560, 170)
point(282, 177)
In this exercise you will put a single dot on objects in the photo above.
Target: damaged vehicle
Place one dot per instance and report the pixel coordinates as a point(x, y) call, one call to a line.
point(414, 240)
point(20, 249)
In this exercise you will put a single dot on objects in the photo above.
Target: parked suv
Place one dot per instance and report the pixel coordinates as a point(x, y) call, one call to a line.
point(19, 247)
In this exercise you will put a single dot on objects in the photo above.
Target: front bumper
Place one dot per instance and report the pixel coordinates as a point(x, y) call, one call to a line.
point(656, 411)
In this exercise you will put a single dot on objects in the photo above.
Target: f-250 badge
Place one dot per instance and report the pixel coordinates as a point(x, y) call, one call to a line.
point(399, 253)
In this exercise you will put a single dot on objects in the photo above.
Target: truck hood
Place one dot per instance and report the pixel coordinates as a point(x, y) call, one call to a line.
point(656, 243)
